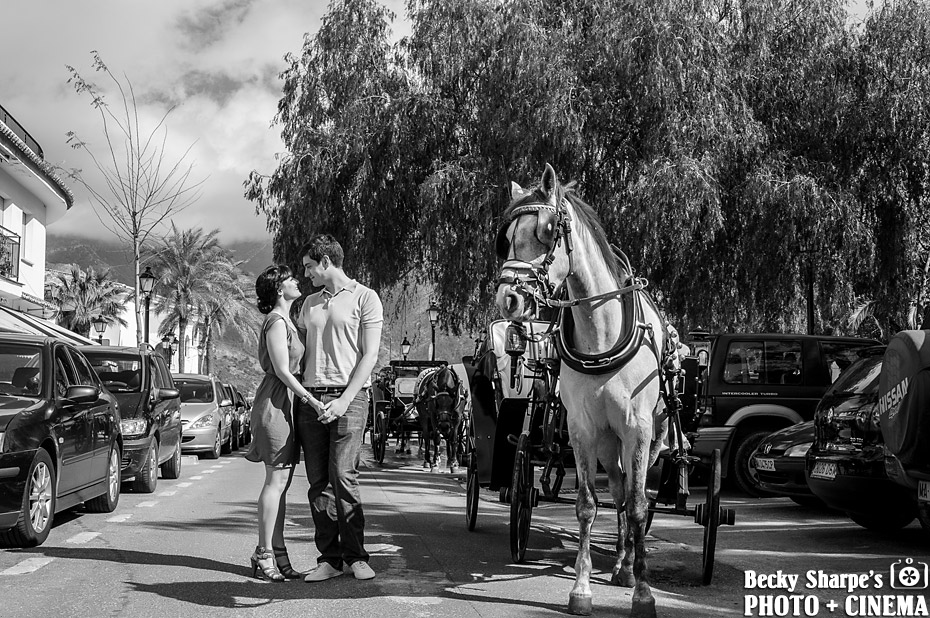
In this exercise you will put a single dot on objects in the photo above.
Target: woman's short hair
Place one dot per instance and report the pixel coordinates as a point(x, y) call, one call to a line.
point(267, 285)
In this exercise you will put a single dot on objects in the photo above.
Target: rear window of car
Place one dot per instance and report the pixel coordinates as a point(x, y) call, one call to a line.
point(861, 378)
point(119, 372)
point(194, 391)
point(21, 370)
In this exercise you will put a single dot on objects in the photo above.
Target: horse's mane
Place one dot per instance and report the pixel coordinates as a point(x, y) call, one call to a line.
point(586, 216)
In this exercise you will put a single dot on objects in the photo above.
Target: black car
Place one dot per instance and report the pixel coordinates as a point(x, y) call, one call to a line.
point(245, 412)
point(60, 442)
point(846, 465)
point(150, 407)
point(755, 384)
point(779, 463)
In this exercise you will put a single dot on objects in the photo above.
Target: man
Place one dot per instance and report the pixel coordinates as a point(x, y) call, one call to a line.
point(343, 324)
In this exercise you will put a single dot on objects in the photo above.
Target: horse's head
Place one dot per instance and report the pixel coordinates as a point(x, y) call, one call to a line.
point(530, 241)
point(443, 394)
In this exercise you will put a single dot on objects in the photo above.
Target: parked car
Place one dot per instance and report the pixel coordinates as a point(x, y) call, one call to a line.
point(779, 463)
point(150, 410)
point(206, 415)
point(60, 442)
point(846, 464)
point(246, 409)
point(756, 384)
point(238, 412)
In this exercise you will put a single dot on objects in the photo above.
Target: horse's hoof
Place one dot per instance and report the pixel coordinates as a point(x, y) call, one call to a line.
point(580, 604)
point(624, 579)
point(643, 608)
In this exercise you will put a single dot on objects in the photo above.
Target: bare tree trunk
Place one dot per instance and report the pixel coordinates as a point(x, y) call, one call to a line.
point(135, 284)
point(182, 348)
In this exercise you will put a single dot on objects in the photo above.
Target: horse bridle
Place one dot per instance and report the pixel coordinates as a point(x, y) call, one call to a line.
point(532, 278)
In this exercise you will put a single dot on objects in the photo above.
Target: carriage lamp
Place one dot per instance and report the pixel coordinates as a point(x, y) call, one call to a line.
point(405, 347)
point(515, 339)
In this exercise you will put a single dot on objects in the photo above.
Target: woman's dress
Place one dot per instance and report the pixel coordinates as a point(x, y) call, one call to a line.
point(273, 440)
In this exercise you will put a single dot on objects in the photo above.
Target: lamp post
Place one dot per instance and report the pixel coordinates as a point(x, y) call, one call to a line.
point(433, 312)
point(201, 347)
point(405, 347)
point(100, 325)
point(167, 346)
point(147, 284)
point(174, 347)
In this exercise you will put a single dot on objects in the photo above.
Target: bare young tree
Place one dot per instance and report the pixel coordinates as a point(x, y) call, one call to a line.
point(141, 187)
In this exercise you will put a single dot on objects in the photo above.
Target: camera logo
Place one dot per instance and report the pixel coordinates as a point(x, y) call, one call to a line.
point(910, 575)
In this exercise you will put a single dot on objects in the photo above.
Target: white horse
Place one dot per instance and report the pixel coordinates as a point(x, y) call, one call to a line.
point(610, 342)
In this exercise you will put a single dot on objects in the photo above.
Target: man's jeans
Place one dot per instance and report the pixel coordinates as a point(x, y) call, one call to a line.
point(331, 456)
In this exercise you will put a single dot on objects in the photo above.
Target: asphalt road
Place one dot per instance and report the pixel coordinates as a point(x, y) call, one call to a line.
point(183, 551)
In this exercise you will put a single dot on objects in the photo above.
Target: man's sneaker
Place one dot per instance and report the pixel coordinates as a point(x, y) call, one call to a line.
point(362, 570)
point(322, 572)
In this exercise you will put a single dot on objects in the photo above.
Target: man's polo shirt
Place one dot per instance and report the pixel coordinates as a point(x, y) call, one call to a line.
point(335, 325)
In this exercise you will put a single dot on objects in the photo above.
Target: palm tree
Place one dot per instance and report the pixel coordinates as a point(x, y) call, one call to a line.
point(190, 266)
point(226, 307)
point(83, 296)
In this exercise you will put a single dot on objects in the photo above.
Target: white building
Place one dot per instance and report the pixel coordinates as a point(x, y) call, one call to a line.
point(31, 197)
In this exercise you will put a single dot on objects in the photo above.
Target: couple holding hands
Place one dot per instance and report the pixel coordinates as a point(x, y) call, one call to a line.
point(324, 411)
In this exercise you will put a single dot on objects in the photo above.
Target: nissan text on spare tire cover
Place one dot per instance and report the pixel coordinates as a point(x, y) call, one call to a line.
point(904, 398)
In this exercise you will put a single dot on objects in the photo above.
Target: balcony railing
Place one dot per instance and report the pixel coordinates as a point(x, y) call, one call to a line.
point(9, 254)
point(20, 132)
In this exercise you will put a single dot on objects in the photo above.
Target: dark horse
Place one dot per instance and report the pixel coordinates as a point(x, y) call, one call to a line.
point(438, 398)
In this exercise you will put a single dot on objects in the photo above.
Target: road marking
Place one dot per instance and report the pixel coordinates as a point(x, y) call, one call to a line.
point(216, 466)
point(205, 472)
point(167, 493)
point(120, 518)
point(184, 484)
point(27, 566)
point(195, 478)
point(83, 537)
point(147, 504)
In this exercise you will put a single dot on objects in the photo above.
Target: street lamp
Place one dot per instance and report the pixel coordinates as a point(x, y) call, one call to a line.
point(405, 347)
point(147, 284)
point(100, 325)
point(168, 345)
point(433, 312)
point(201, 347)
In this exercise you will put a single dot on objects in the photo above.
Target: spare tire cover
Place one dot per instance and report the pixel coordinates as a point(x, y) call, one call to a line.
point(904, 397)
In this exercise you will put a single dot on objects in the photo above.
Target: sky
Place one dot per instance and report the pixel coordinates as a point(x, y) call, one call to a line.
point(218, 60)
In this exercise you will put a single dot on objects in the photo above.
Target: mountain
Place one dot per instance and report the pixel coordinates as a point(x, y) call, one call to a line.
point(117, 256)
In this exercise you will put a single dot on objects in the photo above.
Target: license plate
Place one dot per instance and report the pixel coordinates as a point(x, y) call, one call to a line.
point(765, 464)
point(923, 491)
point(824, 470)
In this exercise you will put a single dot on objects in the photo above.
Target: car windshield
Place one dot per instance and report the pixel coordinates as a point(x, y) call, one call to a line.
point(194, 391)
point(120, 372)
point(21, 370)
point(860, 378)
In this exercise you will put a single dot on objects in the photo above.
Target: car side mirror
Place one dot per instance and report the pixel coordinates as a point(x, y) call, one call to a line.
point(82, 394)
point(225, 402)
point(166, 393)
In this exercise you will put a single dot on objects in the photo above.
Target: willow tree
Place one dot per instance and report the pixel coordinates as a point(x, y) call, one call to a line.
point(715, 140)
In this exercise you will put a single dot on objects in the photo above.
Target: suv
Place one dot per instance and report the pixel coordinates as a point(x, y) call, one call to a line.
point(755, 384)
point(151, 412)
point(206, 415)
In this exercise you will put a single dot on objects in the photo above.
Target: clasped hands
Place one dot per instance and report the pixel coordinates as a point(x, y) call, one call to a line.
point(332, 410)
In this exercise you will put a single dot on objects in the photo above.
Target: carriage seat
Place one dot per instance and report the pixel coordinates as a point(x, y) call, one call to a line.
point(497, 338)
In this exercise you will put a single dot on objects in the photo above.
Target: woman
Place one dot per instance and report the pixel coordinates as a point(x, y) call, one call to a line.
point(279, 353)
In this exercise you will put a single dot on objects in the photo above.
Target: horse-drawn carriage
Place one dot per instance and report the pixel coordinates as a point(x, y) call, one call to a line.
point(406, 396)
point(608, 356)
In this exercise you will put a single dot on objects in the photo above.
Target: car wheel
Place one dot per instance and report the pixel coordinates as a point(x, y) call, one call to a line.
point(171, 469)
point(108, 501)
point(743, 471)
point(886, 521)
point(215, 452)
point(147, 479)
point(38, 507)
point(234, 438)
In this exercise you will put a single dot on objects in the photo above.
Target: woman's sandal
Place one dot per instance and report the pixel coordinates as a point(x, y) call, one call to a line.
point(263, 565)
point(284, 564)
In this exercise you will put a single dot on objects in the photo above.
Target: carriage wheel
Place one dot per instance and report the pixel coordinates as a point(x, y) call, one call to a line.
point(521, 502)
point(712, 517)
point(379, 436)
point(471, 491)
